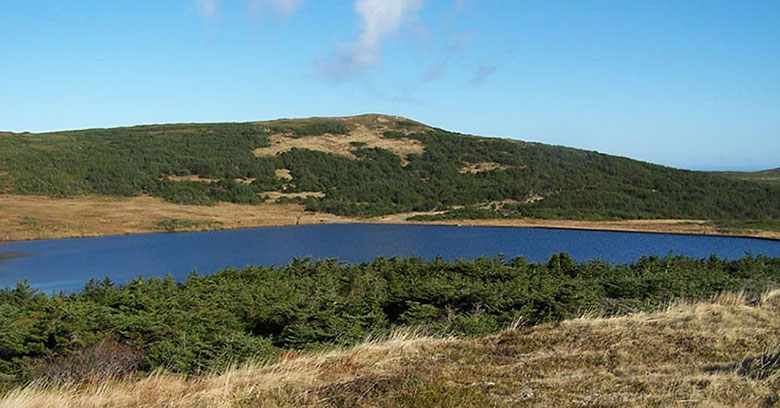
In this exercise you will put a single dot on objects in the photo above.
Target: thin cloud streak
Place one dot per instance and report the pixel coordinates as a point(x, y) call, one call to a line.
point(377, 20)
point(207, 8)
point(435, 72)
point(461, 42)
point(282, 8)
point(457, 48)
point(482, 74)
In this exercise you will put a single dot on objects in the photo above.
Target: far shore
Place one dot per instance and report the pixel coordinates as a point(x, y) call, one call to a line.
point(37, 217)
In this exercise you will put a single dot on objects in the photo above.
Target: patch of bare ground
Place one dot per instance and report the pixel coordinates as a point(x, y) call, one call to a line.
point(688, 355)
point(474, 168)
point(273, 195)
point(192, 177)
point(534, 198)
point(198, 179)
point(283, 174)
point(360, 136)
point(401, 218)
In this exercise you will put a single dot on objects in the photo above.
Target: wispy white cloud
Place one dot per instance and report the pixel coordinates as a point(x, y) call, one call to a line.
point(377, 20)
point(455, 51)
point(435, 72)
point(282, 8)
point(461, 42)
point(459, 4)
point(207, 8)
point(481, 74)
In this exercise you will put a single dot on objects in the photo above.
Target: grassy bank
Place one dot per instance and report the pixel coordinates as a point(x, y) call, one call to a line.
point(718, 353)
point(36, 217)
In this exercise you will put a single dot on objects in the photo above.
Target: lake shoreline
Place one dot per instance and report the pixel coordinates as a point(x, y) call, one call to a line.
point(537, 224)
point(41, 218)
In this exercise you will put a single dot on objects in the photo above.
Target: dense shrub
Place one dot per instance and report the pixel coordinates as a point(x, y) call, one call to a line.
point(320, 128)
point(207, 322)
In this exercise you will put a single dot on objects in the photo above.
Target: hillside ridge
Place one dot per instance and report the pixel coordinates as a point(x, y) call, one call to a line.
point(373, 165)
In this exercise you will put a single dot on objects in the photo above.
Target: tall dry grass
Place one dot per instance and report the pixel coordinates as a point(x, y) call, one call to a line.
point(707, 354)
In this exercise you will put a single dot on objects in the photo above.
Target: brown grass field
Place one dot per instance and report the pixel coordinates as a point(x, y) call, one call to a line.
point(37, 217)
point(722, 353)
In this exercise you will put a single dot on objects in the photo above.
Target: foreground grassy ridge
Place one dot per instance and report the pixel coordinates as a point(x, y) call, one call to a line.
point(208, 322)
point(690, 354)
point(209, 163)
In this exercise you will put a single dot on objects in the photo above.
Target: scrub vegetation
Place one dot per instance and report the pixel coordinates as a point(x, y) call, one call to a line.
point(764, 176)
point(367, 179)
point(720, 352)
point(207, 323)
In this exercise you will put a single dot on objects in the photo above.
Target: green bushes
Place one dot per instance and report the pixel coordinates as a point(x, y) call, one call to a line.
point(572, 184)
point(134, 161)
point(208, 322)
point(320, 128)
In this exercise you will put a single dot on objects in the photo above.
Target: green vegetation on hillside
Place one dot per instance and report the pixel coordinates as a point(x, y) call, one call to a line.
point(207, 322)
point(539, 180)
point(135, 161)
point(764, 176)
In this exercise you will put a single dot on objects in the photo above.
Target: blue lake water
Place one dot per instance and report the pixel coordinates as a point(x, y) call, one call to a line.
point(67, 264)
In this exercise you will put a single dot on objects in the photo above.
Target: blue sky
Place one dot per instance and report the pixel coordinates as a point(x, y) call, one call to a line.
point(691, 84)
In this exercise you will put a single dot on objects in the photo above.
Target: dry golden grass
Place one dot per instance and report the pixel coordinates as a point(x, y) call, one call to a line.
point(36, 217)
point(192, 177)
point(283, 174)
point(474, 168)
point(699, 227)
point(343, 145)
point(273, 195)
point(685, 356)
point(199, 179)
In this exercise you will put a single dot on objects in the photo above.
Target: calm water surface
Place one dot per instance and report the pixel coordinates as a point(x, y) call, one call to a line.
point(67, 264)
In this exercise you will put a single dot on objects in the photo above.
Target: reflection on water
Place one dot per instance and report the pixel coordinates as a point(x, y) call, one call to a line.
point(8, 255)
point(68, 263)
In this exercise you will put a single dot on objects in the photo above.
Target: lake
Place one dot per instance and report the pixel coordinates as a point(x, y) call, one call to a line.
point(66, 264)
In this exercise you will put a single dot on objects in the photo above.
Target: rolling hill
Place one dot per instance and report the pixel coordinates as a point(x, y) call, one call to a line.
point(370, 165)
point(765, 176)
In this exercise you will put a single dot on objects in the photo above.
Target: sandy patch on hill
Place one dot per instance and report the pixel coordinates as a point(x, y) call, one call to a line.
point(192, 177)
point(198, 179)
point(342, 145)
point(273, 195)
point(480, 167)
point(283, 174)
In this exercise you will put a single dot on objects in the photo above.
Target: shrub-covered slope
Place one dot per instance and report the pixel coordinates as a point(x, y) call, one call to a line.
point(207, 322)
point(385, 165)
